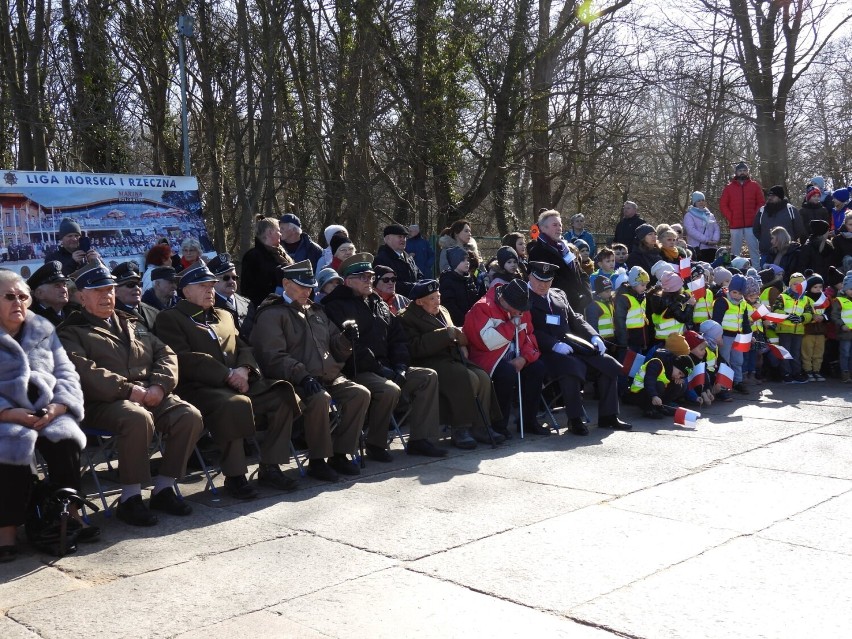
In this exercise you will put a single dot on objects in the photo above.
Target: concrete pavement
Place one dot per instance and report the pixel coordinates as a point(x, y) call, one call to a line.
point(739, 528)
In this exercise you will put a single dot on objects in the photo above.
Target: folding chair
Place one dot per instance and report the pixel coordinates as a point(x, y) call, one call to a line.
point(551, 389)
point(302, 456)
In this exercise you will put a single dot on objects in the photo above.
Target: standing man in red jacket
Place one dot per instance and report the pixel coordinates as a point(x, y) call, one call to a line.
point(740, 200)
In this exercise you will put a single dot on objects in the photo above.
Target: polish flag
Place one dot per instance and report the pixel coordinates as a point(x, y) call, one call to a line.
point(760, 312)
point(822, 302)
point(775, 318)
point(632, 363)
point(779, 351)
point(685, 268)
point(686, 418)
point(798, 288)
point(696, 377)
point(698, 288)
point(742, 342)
point(725, 376)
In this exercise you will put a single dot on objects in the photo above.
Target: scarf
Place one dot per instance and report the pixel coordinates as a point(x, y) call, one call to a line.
point(701, 214)
point(670, 254)
point(771, 208)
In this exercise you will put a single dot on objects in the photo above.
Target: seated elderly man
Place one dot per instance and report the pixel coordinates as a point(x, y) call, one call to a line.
point(128, 294)
point(435, 343)
point(220, 377)
point(50, 293)
point(294, 340)
point(380, 362)
point(384, 285)
point(128, 376)
point(392, 254)
point(162, 294)
point(569, 361)
point(225, 286)
point(490, 328)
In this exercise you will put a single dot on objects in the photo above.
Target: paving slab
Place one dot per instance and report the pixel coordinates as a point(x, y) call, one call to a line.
point(128, 550)
point(399, 603)
point(842, 429)
point(606, 462)
point(12, 630)
point(825, 526)
point(734, 497)
point(262, 623)
point(748, 587)
point(199, 592)
point(28, 579)
point(808, 453)
point(562, 562)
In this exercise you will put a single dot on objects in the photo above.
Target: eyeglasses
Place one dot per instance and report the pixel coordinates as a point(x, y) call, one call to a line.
point(387, 280)
point(21, 297)
point(132, 285)
point(364, 277)
point(228, 278)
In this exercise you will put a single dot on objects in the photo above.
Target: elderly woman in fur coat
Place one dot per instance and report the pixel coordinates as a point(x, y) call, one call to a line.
point(41, 404)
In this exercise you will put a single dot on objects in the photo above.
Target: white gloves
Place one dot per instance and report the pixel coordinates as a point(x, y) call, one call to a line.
point(597, 341)
point(562, 348)
point(516, 320)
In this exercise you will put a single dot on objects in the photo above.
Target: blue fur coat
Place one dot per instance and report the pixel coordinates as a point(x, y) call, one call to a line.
point(40, 360)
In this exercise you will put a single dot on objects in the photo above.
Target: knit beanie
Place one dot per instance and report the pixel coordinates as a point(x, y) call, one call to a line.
point(847, 281)
point(811, 192)
point(697, 197)
point(752, 286)
point(67, 225)
point(580, 244)
point(642, 230)
point(677, 344)
point(693, 339)
point(337, 241)
point(740, 263)
point(619, 277)
point(602, 283)
point(819, 182)
point(721, 276)
point(331, 230)
point(672, 282)
point(738, 283)
point(637, 275)
point(504, 254)
point(796, 278)
point(660, 267)
point(819, 227)
point(841, 195)
point(711, 331)
point(778, 191)
point(684, 363)
point(456, 255)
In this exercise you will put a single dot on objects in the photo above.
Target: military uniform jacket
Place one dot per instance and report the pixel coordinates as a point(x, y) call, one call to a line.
point(145, 313)
point(50, 315)
point(208, 346)
point(556, 304)
point(291, 341)
point(111, 360)
point(239, 311)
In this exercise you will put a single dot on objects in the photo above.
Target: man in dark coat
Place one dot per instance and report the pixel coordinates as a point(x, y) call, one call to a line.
point(128, 294)
point(69, 253)
point(163, 292)
point(227, 298)
point(458, 288)
point(625, 230)
point(50, 292)
point(392, 254)
point(296, 242)
point(555, 321)
point(380, 362)
point(220, 377)
point(551, 248)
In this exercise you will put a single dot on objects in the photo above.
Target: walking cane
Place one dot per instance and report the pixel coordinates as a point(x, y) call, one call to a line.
point(516, 321)
point(361, 438)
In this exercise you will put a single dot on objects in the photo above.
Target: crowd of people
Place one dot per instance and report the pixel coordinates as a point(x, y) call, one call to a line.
point(325, 347)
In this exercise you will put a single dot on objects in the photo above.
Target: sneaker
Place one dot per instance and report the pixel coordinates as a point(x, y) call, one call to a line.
point(238, 487)
point(845, 377)
point(740, 388)
point(816, 377)
point(168, 502)
point(802, 378)
point(789, 379)
point(724, 396)
point(132, 511)
point(271, 476)
point(343, 465)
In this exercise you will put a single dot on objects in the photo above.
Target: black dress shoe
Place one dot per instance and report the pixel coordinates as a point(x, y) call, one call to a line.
point(318, 469)
point(480, 434)
point(271, 476)
point(462, 439)
point(132, 511)
point(238, 487)
point(578, 426)
point(343, 465)
point(424, 448)
point(8, 553)
point(612, 421)
point(534, 428)
point(168, 502)
point(379, 454)
point(503, 431)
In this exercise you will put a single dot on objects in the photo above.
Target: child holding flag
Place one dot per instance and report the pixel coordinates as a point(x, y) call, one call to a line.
point(813, 341)
point(751, 360)
point(720, 383)
point(671, 311)
point(630, 318)
point(661, 381)
point(699, 381)
point(797, 307)
point(699, 287)
point(841, 313)
point(730, 311)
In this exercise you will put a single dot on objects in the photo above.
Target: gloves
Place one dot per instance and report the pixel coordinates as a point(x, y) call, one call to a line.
point(562, 348)
point(386, 372)
point(400, 377)
point(350, 329)
point(794, 319)
point(597, 341)
point(311, 386)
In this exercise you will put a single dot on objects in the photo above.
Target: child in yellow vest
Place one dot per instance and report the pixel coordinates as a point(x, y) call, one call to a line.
point(797, 307)
point(841, 314)
point(813, 342)
point(599, 312)
point(729, 310)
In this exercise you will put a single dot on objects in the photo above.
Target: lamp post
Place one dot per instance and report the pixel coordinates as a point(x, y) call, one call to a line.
point(186, 26)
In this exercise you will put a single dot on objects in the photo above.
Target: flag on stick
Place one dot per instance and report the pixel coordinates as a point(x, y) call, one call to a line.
point(686, 418)
point(685, 268)
point(698, 288)
point(742, 342)
point(779, 351)
point(725, 376)
point(696, 377)
point(632, 363)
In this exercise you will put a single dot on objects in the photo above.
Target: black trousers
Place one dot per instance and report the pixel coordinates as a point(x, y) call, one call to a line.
point(571, 371)
point(63, 465)
point(505, 379)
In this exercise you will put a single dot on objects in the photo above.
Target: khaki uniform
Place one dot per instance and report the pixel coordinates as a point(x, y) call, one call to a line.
point(113, 356)
point(291, 343)
point(208, 346)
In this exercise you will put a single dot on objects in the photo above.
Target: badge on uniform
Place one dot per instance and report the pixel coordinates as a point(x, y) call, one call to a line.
point(553, 319)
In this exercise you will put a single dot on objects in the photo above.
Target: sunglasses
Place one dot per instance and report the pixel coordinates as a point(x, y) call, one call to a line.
point(21, 297)
point(228, 278)
point(132, 285)
point(387, 280)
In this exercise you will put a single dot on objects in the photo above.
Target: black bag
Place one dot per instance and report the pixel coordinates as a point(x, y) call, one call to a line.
point(49, 525)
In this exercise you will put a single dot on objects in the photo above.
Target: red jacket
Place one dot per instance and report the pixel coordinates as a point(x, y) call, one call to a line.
point(740, 201)
point(490, 333)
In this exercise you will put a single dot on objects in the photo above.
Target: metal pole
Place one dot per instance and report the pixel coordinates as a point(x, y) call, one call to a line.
point(520, 390)
point(186, 25)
